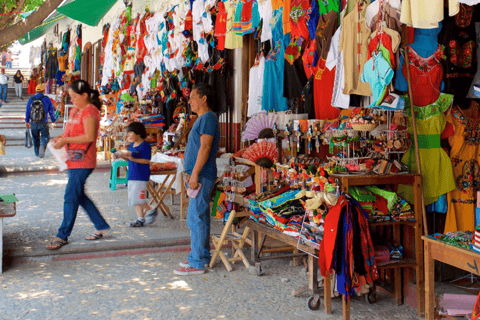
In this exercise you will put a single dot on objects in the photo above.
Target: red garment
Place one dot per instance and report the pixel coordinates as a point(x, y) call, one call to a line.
point(308, 58)
point(322, 92)
point(386, 41)
point(476, 309)
point(75, 128)
point(426, 75)
point(189, 22)
point(221, 26)
point(327, 246)
point(297, 17)
point(32, 85)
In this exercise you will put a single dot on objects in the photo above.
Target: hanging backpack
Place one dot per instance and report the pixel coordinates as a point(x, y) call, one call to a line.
point(37, 111)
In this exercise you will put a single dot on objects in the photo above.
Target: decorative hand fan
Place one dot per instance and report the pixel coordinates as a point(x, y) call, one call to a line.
point(260, 126)
point(263, 153)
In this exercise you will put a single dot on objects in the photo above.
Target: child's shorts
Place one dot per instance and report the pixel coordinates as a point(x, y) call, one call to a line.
point(137, 192)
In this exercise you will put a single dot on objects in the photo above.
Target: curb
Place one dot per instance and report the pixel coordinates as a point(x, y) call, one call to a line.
point(99, 251)
point(5, 171)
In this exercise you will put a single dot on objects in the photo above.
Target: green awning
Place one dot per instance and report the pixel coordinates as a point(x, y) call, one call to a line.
point(87, 11)
point(39, 31)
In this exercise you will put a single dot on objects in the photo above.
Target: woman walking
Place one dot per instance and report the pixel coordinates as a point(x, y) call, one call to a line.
point(79, 138)
point(18, 83)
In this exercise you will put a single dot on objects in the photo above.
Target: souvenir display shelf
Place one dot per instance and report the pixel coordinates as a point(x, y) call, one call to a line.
point(461, 258)
point(412, 243)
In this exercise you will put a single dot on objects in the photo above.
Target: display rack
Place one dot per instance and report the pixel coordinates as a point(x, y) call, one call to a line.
point(407, 233)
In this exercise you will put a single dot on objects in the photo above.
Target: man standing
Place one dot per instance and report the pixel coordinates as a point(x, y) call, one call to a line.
point(3, 86)
point(38, 108)
point(8, 59)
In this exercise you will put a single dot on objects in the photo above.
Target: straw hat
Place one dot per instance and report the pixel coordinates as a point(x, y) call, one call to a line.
point(40, 88)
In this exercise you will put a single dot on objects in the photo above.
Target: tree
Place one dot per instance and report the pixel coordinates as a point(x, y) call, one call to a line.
point(12, 28)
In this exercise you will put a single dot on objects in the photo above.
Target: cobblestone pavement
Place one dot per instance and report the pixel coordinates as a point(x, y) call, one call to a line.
point(144, 287)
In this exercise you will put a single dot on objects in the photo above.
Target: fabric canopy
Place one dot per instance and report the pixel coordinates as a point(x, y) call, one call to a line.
point(87, 11)
point(39, 31)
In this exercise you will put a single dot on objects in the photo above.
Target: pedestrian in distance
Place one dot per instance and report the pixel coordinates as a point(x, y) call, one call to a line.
point(138, 155)
point(18, 83)
point(201, 167)
point(79, 139)
point(36, 118)
point(3, 86)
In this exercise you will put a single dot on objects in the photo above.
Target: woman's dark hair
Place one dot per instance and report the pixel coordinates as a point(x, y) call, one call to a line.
point(81, 87)
point(204, 89)
point(18, 71)
point(138, 128)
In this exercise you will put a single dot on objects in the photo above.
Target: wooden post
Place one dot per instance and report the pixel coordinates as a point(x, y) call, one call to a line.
point(415, 136)
point(429, 283)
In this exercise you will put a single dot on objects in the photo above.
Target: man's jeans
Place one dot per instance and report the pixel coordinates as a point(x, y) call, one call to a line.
point(3, 91)
point(74, 197)
point(9, 65)
point(40, 135)
point(198, 220)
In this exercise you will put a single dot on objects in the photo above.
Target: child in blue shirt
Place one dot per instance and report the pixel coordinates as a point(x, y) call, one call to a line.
point(138, 156)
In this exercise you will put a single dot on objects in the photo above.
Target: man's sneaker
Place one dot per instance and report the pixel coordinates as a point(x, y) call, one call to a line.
point(186, 264)
point(188, 271)
point(137, 224)
point(150, 216)
point(41, 151)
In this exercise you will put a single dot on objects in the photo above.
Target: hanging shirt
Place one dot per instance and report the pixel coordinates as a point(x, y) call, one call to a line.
point(335, 60)
point(423, 14)
point(353, 58)
point(273, 98)
point(255, 87)
point(221, 26)
point(232, 40)
point(265, 11)
point(379, 74)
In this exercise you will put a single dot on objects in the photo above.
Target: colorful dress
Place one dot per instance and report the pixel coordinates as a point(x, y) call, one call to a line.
point(465, 157)
point(437, 179)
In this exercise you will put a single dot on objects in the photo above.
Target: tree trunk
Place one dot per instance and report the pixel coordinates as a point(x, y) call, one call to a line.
point(9, 17)
point(17, 30)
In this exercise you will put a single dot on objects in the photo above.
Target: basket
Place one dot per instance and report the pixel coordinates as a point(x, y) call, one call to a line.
point(364, 127)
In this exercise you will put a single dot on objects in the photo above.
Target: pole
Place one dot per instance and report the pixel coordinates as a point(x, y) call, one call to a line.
point(415, 136)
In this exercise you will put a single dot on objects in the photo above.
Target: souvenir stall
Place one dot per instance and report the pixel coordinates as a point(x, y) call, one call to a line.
point(370, 109)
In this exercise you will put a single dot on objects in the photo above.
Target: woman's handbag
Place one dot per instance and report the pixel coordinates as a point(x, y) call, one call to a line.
point(28, 139)
point(77, 155)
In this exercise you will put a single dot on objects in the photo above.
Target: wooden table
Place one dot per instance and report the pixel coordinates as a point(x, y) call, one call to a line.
point(261, 231)
point(6, 210)
point(461, 258)
point(162, 190)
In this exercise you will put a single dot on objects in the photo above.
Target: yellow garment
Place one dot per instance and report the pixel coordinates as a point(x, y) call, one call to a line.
point(232, 40)
point(464, 156)
point(349, 47)
point(61, 64)
point(424, 14)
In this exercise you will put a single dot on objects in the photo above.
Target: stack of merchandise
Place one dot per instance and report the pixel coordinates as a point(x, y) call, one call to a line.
point(462, 239)
point(157, 121)
point(382, 205)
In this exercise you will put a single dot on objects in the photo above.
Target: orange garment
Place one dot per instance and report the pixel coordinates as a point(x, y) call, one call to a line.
point(286, 16)
point(464, 155)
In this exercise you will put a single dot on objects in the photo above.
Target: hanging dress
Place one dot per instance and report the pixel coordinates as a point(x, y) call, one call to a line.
point(465, 157)
point(437, 175)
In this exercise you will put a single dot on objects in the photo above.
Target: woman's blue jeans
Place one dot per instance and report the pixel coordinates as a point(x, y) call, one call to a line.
point(75, 196)
point(198, 220)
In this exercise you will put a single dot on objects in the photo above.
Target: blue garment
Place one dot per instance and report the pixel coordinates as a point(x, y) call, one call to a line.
point(379, 74)
point(139, 171)
point(75, 196)
point(40, 135)
point(313, 14)
point(47, 105)
point(3, 91)
point(198, 220)
point(440, 205)
point(206, 124)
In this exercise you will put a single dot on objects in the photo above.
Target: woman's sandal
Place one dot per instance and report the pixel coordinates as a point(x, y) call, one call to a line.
point(55, 244)
point(94, 237)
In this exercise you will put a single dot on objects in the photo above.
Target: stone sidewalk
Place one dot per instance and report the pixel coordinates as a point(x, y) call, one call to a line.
point(127, 285)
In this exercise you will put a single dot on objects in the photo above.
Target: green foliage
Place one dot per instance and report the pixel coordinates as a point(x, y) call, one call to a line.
point(8, 5)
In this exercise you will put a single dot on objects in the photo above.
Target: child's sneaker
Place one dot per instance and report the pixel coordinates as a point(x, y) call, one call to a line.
point(183, 271)
point(137, 224)
point(150, 216)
